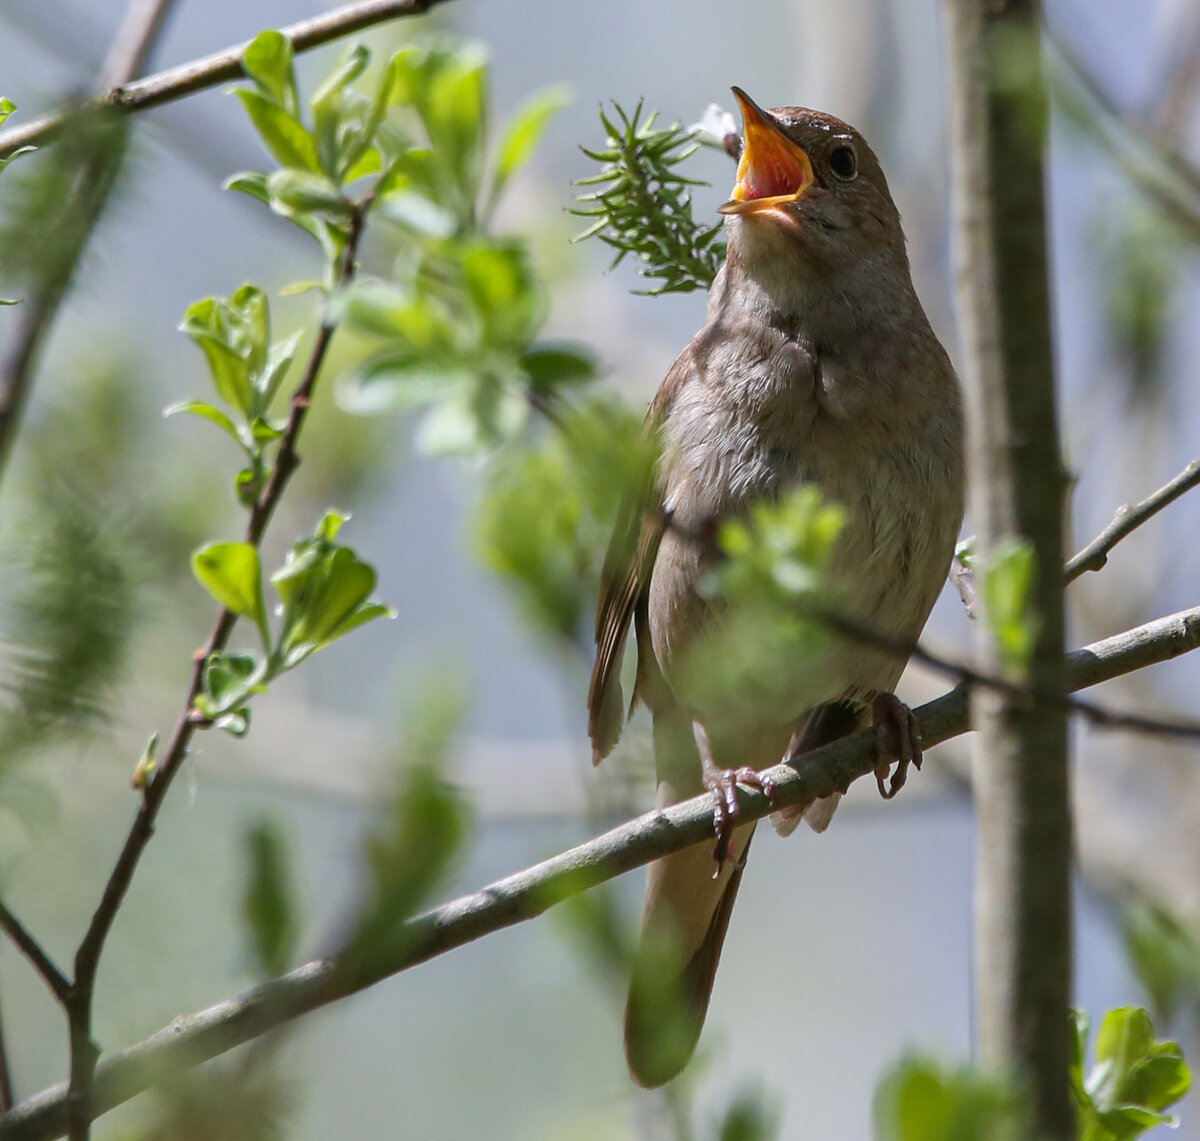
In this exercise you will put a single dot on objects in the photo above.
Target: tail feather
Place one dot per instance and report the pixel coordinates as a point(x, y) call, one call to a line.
point(684, 923)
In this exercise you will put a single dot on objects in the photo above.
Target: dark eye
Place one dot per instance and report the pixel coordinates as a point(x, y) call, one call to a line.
point(843, 163)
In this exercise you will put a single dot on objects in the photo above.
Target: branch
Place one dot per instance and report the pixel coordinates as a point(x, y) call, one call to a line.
point(87, 957)
point(1128, 519)
point(196, 1038)
point(136, 39)
point(220, 67)
point(1148, 157)
point(1016, 481)
point(32, 950)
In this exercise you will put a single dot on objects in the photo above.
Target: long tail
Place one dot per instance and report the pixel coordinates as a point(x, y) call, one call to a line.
point(684, 920)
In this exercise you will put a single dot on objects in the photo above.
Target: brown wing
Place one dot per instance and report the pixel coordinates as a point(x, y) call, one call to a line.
point(625, 580)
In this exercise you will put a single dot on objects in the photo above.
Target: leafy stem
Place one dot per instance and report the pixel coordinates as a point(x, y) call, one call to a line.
point(84, 1053)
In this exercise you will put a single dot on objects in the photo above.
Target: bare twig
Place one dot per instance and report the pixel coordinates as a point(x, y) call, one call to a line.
point(7, 1098)
point(1026, 694)
point(32, 950)
point(134, 42)
point(136, 39)
point(1149, 157)
point(191, 1040)
point(1128, 519)
point(84, 1054)
point(220, 67)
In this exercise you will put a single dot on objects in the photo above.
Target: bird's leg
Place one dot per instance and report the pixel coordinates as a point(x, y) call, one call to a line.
point(897, 738)
point(722, 783)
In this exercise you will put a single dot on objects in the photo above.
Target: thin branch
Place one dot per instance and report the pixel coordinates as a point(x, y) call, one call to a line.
point(87, 957)
point(1150, 159)
point(1024, 693)
point(58, 983)
point(134, 42)
point(193, 1039)
point(7, 1098)
point(220, 67)
point(1128, 519)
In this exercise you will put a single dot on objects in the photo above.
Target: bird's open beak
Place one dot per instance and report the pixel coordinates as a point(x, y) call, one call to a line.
point(773, 170)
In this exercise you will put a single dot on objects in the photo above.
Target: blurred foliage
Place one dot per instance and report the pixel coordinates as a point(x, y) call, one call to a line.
point(545, 518)
point(768, 642)
point(1007, 588)
point(418, 832)
point(1135, 1079)
point(643, 205)
point(1143, 256)
point(66, 622)
point(324, 592)
point(456, 326)
point(243, 1100)
point(269, 905)
point(919, 1100)
point(1165, 956)
point(52, 202)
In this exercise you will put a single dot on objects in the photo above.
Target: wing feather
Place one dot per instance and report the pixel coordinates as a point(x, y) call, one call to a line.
point(625, 579)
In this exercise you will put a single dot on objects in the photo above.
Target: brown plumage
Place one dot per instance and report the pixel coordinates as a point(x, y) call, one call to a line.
point(816, 363)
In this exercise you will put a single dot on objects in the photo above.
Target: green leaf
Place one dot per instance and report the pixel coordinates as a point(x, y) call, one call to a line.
point(250, 182)
point(268, 61)
point(279, 360)
point(1008, 584)
point(207, 412)
point(229, 679)
point(551, 365)
point(504, 291)
point(333, 114)
point(400, 380)
point(284, 136)
point(523, 134)
point(420, 829)
point(1165, 956)
point(454, 109)
point(918, 1100)
point(231, 573)
point(268, 902)
point(230, 373)
point(298, 191)
point(416, 211)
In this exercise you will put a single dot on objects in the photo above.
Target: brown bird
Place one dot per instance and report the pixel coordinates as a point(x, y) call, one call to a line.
point(816, 363)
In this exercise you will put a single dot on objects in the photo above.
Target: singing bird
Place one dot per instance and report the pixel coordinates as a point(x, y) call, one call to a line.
point(817, 364)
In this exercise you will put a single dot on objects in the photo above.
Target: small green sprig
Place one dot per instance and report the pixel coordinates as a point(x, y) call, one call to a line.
point(643, 205)
point(324, 592)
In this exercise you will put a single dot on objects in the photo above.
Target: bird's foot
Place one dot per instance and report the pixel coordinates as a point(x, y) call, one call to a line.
point(722, 783)
point(897, 738)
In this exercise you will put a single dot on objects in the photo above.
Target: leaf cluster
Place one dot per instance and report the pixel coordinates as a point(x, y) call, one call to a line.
point(246, 370)
point(769, 590)
point(545, 518)
point(643, 205)
point(919, 1100)
point(456, 328)
point(1135, 1079)
point(324, 591)
point(456, 325)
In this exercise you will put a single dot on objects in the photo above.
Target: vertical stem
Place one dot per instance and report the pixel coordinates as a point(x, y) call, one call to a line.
point(1023, 901)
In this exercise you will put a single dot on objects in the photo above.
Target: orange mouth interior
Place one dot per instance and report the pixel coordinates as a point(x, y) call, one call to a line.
point(773, 170)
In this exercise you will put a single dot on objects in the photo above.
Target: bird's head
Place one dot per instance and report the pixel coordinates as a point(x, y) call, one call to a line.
point(809, 194)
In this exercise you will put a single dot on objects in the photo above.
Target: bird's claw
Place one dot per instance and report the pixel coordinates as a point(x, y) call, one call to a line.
point(897, 738)
point(727, 812)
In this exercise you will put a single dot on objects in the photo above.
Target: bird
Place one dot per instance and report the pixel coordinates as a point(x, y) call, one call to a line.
point(815, 364)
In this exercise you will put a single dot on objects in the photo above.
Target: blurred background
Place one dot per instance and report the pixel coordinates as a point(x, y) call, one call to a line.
point(848, 948)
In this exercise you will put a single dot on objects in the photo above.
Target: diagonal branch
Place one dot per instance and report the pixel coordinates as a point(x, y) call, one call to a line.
point(1128, 519)
point(220, 67)
point(58, 983)
point(193, 1039)
point(87, 957)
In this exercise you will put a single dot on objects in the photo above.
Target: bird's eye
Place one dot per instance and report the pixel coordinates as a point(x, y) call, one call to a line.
point(843, 163)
